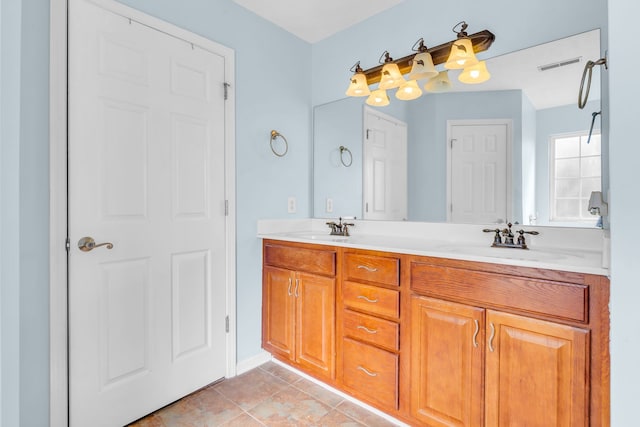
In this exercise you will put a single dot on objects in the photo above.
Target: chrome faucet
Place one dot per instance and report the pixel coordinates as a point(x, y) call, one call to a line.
point(340, 228)
point(504, 238)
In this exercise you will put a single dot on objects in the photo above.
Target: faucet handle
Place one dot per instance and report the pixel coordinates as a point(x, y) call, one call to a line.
point(345, 228)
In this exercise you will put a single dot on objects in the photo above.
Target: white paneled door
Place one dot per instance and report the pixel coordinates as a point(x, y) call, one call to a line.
point(385, 167)
point(147, 175)
point(478, 178)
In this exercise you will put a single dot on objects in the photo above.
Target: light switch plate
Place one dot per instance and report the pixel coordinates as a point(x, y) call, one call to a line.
point(291, 205)
point(329, 207)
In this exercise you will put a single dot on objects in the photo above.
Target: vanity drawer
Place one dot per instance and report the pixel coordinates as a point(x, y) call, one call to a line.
point(371, 372)
point(383, 270)
point(544, 297)
point(373, 330)
point(372, 299)
point(301, 259)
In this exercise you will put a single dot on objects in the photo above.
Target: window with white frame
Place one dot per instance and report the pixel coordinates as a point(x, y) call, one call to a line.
point(575, 171)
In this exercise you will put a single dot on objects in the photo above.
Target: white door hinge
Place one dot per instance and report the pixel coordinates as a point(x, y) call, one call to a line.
point(67, 244)
point(226, 324)
point(226, 208)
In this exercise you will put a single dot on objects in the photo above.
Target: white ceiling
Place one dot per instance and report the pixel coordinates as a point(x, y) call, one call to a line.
point(314, 20)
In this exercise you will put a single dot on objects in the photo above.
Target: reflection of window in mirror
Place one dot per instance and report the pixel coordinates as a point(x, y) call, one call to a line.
point(575, 172)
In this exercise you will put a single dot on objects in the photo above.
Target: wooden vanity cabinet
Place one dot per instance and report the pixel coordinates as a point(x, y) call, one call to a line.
point(495, 349)
point(298, 306)
point(369, 327)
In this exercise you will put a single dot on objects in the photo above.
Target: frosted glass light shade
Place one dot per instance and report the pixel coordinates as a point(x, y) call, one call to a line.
point(461, 55)
point(409, 91)
point(378, 98)
point(439, 83)
point(422, 67)
point(391, 77)
point(475, 74)
point(358, 85)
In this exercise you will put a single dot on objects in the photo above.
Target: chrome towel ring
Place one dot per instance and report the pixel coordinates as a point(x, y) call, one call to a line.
point(274, 135)
point(344, 149)
point(588, 70)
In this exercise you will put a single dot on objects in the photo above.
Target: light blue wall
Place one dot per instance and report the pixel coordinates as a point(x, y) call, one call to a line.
point(10, 17)
point(554, 121)
point(624, 152)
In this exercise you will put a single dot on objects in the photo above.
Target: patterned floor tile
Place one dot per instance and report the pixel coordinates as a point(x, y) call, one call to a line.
point(318, 392)
point(362, 415)
point(250, 389)
point(290, 407)
point(280, 372)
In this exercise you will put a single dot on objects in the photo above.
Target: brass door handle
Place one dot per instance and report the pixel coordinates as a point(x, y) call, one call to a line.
point(87, 244)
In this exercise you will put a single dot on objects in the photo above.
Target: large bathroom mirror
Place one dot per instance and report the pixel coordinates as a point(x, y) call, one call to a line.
point(531, 96)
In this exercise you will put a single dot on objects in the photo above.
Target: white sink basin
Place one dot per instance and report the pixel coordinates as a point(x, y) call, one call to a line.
point(535, 254)
point(318, 236)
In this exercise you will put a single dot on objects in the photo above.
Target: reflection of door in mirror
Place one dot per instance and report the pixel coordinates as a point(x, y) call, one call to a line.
point(479, 171)
point(385, 167)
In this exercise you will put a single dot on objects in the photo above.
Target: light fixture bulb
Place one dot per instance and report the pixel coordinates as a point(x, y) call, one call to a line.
point(391, 76)
point(378, 98)
point(439, 83)
point(422, 67)
point(358, 85)
point(409, 91)
point(474, 74)
point(461, 55)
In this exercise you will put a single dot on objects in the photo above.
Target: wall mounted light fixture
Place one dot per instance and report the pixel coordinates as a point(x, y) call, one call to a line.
point(420, 65)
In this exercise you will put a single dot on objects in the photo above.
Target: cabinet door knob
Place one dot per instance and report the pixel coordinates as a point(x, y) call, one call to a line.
point(289, 288)
point(295, 291)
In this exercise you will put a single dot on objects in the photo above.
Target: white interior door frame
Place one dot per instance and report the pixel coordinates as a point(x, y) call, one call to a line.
point(509, 125)
point(58, 201)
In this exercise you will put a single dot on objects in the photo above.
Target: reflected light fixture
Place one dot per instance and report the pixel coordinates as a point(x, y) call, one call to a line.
point(391, 76)
point(439, 83)
point(421, 65)
point(378, 98)
point(408, 91)
point(358, 85)
point(475, 74)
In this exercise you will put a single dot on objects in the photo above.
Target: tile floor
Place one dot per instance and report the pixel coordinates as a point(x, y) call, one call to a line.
point(269, 395)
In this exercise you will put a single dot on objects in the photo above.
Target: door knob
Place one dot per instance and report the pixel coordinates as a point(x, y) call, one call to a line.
point(87, 243)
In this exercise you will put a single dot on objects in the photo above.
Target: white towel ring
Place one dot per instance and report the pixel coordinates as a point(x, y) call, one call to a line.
point(344, 149)
point(275, 134)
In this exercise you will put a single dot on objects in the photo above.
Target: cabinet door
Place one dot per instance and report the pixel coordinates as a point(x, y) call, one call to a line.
point(536, 373)
point(447, 342)
point(278, 311)
point(315, 328)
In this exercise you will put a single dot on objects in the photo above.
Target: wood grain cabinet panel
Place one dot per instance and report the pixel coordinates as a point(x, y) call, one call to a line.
point(298, 307)
point(372, 268)
point(371, 372)
point(447, 342)
point(536, 372)
point(372, 299)
point(372, 330)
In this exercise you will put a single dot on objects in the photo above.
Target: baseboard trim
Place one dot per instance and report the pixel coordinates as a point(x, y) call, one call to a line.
point(343, 395)
point(252, 362)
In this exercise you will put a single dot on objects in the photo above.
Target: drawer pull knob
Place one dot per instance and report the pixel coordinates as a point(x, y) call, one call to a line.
point(366, 371)
point(493, 334)
point(369, 269)
point(475, 334)
point(367, 299)
point(367, 330)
